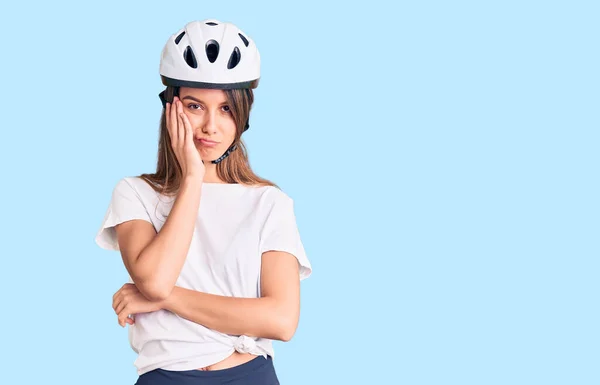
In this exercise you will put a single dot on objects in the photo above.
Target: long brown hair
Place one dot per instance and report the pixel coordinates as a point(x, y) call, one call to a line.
point(233, 169)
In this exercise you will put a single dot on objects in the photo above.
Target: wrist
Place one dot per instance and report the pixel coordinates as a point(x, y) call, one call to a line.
point(193, 179)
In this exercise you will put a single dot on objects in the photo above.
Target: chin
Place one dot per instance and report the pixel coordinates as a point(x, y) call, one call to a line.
point(208, 154)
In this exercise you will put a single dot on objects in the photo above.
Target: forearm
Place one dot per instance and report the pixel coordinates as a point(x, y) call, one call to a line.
point(258, 317)
point(160, 263)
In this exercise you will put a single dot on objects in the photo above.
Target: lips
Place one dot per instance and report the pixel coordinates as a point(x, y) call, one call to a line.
point(208, 143)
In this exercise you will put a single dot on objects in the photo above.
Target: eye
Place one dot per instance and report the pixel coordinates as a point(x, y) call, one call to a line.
point(227, 109)
point(190, 106)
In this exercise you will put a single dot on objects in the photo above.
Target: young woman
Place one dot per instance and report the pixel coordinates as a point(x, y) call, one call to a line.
point(212, 250)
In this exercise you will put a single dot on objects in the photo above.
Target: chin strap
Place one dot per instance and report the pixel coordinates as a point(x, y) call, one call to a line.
point(229, 151)
point(225, 155)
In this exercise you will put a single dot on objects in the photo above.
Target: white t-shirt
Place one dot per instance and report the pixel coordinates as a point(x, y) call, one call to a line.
point(234, 226)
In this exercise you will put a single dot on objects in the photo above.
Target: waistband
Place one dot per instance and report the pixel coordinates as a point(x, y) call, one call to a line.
point(258, 366)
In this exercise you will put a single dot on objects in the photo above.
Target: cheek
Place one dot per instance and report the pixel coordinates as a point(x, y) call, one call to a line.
point(194, 119)
point(229, 130)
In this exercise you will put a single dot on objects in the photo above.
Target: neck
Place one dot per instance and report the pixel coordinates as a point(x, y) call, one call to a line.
point(210, 174)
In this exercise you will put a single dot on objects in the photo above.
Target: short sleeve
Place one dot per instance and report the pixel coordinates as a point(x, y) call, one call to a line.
point(280, 233)
point(125, 205)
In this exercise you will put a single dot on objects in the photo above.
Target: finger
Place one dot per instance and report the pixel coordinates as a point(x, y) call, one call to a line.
point(122, 316)
point(125, 319)
point(181, 129)
point(189, 135)
point(117, 293)
point(167, 112)
point(168, 119)
point(181, 126)
point(173, 122)
point(116, 298)
point(121, 304)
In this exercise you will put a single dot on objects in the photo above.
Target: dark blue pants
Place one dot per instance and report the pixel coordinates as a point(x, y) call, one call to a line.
point(259, 371)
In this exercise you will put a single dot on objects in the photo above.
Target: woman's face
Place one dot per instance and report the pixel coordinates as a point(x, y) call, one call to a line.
point(211, 120)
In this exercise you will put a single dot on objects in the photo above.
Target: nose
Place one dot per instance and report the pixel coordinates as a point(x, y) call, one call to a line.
point(210, 124)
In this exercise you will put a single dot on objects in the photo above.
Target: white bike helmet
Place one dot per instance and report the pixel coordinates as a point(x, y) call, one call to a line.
point(210, 54)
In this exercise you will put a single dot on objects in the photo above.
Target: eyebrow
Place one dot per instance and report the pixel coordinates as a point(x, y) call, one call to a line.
point(198, 100)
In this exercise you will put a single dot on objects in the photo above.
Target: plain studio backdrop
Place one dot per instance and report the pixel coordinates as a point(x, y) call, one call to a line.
point(442, 157)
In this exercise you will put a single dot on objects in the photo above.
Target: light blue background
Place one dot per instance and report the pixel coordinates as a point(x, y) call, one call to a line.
point(443, 157)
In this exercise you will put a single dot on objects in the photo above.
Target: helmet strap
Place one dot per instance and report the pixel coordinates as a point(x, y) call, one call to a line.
point(225, 155)
point(162, 99)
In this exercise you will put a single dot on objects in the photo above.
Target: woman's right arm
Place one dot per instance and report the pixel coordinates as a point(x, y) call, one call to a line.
point(154, 260)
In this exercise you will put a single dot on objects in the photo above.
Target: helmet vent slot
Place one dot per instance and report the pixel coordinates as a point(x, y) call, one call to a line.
point(211, 23)
point(234, 59)
point(244, 39)
point(178, 39)
point(189, 57)
point(212, 50)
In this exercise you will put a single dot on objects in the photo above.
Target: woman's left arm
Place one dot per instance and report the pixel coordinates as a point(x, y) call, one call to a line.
point(274, 315)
